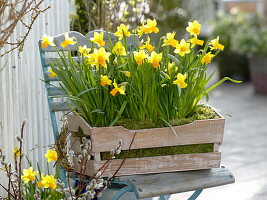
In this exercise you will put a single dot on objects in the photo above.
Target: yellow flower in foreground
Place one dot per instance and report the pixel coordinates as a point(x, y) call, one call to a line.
point(52, 74)
point(99, 58)
point(50, 155)
point(39, 183)
point(195, 41)
point(154, 59)
point(171, 67)
point(117, 89)
point(169, 40)
point(84, 51)
point(47, 41)
point(119, 49)
point(149, 27)
point(140, 56)
point(193, 28)
point(16, 152)
point(147, 45)
point(216, 45)
point(207, 58)
point(28, 175)
point(121, 31)
point(48, 182)
point(104, 80)
point(182, 48)
point(126, 73)
point(180, 80)
point(98, 39)
point(68, 41)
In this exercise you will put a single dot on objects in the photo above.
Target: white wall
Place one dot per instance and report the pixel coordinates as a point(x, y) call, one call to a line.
point(22, 93)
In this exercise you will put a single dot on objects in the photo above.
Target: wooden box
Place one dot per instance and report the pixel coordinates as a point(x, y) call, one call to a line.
point(106, 139)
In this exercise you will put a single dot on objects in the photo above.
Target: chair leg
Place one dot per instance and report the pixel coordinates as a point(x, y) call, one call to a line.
point(195, 195)
point(163, 198)
point(121, 192)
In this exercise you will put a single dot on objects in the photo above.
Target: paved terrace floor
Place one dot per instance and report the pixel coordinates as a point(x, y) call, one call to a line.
point(244, 150)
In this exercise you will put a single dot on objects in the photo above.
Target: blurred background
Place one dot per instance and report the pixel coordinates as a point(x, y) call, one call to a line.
point(242, 28)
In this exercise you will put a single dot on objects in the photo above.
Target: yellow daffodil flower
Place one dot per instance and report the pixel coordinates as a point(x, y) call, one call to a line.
point(104, 80)
point(169, 40)
point(149, 27)
point(180, 80)
point(193, 28)
point(195, 41)
point(140, 56)
point(154, 59)
point(50, 155)
point(47, 41)
point(28, 175)
point(51, 74)
point(68, 41)
point(182, 48)
point(216, 45)
point(98, 39)
point(121, 31)
point(48, 181)
point(126, 73)
point(207, 58)
point(147, 45)
point(117, 89)
point(100, 58)
point(16, 152)
point(39, 183)
point(84, 51)
point(119, 49)
point(171, 67)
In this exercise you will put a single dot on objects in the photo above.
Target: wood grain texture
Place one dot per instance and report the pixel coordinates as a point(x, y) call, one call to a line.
point(159, 164)
point(170, 183)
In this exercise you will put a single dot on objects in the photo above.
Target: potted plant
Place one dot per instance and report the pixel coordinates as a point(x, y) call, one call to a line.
point(142, 103)
point(253, 43)
point(232, 62)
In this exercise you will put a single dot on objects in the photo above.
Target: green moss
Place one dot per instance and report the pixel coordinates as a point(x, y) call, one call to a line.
point(200, 114)
point(161, 151)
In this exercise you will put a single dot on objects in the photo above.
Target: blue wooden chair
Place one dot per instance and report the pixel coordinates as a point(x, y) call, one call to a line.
point(136, 186)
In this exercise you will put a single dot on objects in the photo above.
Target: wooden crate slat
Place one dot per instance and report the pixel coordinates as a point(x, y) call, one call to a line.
point(53, 92)
point(59, 106)
point(159, 164)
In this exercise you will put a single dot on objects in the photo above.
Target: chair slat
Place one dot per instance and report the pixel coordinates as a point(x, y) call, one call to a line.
point(53, 92)
point(50, 60)
point(59, 106)
point(49, 79)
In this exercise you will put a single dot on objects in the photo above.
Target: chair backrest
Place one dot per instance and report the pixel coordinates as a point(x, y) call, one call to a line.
point(46, 59)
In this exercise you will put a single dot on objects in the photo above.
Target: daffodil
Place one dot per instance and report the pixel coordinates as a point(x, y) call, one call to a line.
point(171, 67)
point(147, 45)
point(180, 80)
point(50, 155)
point(149, 27)
point(193, 28)
point(48, 181)
point(84, 51)
point(28, 175)
point(119, 49)
point(122, 30)
point(182, 48)
point(140, 56)
point(169, 40)
point(104, 80)
point(207, 58)
point(154, 59)
point(126, 73)
point(51, 74)
point(68, 41)
point(215, 44)
point(47, 41)
point(16, 152)
point(117, 89)
point(195, 41)
point(100, 58)
point(98, 39)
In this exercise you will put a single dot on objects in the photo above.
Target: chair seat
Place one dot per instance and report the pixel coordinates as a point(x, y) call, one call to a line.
point(152, 185)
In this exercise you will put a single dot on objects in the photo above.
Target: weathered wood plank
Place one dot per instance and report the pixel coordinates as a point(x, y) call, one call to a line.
point(49, 79)
point(53, 92)
point(216, 147)
point(170, 183)
point(74, 122)
point(50, 60)
point(59, 106)
point(159, 164)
